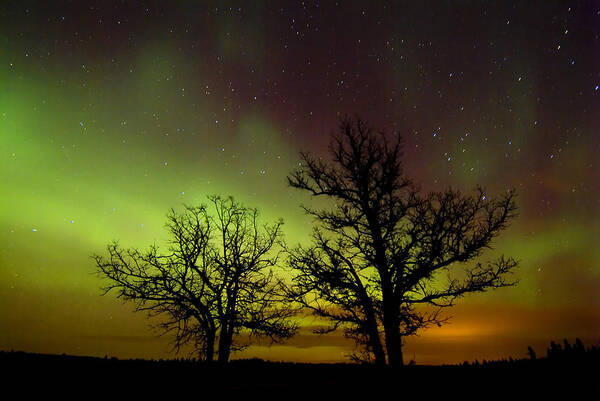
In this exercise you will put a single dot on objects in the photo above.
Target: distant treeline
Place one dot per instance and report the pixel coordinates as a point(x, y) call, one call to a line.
point(556, 354)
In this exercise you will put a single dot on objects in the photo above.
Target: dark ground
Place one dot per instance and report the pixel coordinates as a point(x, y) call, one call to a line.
point(106, 377)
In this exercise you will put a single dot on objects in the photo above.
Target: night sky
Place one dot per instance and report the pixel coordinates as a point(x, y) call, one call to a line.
point(111, 113)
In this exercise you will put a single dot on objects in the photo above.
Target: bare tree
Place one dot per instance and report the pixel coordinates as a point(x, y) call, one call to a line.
point(214, 282)
point(379, 252)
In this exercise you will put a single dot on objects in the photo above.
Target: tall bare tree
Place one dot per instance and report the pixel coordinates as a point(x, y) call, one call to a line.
point(379, 252)
point(214, 282)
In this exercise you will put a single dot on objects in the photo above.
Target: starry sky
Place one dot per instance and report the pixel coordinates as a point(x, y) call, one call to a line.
point(111, 113)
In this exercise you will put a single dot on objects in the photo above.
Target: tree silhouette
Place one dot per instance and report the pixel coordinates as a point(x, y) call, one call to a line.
point(214, 282)
point(531, 353)
point(377, 254)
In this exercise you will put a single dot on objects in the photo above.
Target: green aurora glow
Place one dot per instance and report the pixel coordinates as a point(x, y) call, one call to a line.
point(100, 137)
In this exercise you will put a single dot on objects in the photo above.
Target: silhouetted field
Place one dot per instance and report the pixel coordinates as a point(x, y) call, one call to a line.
point(563, 371)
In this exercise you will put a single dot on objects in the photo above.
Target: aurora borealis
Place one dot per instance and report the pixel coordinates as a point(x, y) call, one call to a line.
point(111, 113)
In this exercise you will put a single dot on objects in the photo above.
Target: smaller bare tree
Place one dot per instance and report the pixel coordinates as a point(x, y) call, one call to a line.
point(214, 283)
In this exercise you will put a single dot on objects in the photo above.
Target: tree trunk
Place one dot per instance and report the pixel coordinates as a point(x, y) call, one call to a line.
point(376, 346)
point(391, 327)
point(225, 339)
point(228, 322)
point(373, 336)
point(390, 321)
point(393, 344)
point(210, 347)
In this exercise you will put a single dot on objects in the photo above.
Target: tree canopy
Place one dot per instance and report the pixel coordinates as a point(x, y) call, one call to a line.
point(379, 252)
point(214, 282)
